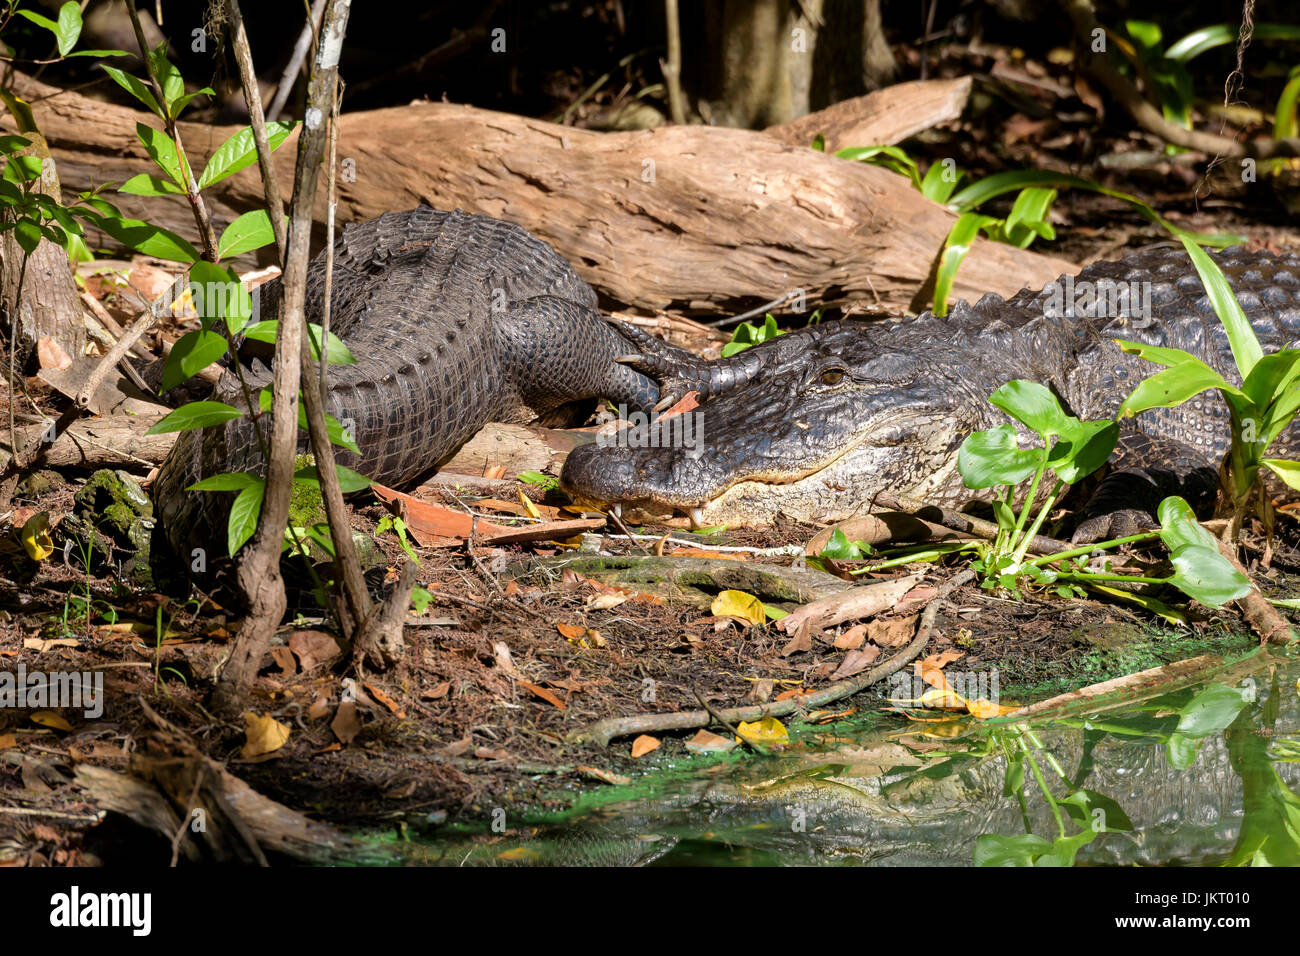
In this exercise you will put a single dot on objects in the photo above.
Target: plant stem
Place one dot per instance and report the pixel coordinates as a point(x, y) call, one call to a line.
point(1089, 548)
point(1023, 549)
point(1042, 785)
point(1131, 578)
point(1031, 495)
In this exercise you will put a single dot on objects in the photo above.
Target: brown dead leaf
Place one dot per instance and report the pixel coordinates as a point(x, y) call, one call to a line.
point(915, 600)
point(688, 402)
point(8, 741)
point(892, 632)
point(852, 639)
point(314, 648)
point(604, 776)
point(284, 658)
point(644, 744)
point(495, 472)
point(856, 661)
point(794, 692)
point(319, 708)
point(491, 753)
point(378, 693)
point(543, 693)
point(438, 691)
point(51, 355)
point(345, 724)
point(802, 641)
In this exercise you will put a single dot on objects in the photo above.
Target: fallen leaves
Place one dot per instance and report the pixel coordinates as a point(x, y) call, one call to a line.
point(262, 735)
point(35, 536)
point(644, 744)
point(740, 605)
point(768, 732)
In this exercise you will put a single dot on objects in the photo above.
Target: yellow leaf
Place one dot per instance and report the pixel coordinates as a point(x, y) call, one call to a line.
point(528, 505)
point(48, 718)
point(262, 735)
point(644, 745)
point(768, 731)
point(35, 536)
point(740, 605)
point(520, 854)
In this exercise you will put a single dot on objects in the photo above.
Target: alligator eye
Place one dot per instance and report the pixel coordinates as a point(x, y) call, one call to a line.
point(832, 376)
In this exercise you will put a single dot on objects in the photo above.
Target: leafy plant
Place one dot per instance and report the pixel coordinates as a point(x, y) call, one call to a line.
point(748, 335)
point(1264, 405)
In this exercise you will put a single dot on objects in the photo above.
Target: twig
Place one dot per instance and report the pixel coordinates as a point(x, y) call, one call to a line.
point(672, 67)
point(290, 77)
point(129, 338)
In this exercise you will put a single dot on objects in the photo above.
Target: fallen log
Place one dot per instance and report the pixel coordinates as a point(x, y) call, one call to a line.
point(695, 218)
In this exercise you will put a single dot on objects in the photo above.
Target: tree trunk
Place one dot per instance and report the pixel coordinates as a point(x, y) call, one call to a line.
point(702, 219)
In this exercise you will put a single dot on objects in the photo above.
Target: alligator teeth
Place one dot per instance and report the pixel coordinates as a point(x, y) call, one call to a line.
point(697, 517)
point(616, 510)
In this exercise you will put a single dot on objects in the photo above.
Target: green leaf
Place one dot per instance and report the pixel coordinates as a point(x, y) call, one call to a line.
point(265, 331)
point(1287, 470)
point(994, 850)
point(1246, 350)
point(195, 415)
point(99, 53)
point(1172, 387)
point(28, 234)
point(146, 184)
point(135, 87)
point(1032, 404)
point(819, 142)
point(1082, 804)
point(536, 478)
point(891, 157)
point(244, 512)
point(1272, 377)
point(147, 238)
point(955, 247)
point(1064, 849)
point(162, 151)
point(218, 293)
point(10, 143)
point(250, 231)
point(994, 457)
point(1211, 712)
point(1179, 527)
point(935, 186)
point(349, 480)
point(240, 151)
point(226, 481)
point(1204, 574)
point(69, 27)
point(840, 548)
point(183, 101)
point(1223, 34)
point(192, 353)
point(169, 77)
point(1083, 448)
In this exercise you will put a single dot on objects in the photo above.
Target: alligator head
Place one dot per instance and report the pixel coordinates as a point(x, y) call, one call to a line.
point(810, 425)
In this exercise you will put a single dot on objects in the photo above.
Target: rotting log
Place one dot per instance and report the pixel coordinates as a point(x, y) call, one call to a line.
point(696, 218)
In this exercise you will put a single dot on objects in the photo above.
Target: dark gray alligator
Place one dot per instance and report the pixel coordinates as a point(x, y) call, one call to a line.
point(814, 423)
point(455, 321)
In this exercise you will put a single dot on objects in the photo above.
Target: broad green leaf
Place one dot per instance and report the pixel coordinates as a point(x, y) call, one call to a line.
point(183, 101)
point(135, 87)
point(1224, 34)
point(147, 238)
point(195, 415)
point(840, 548)
point(244, 512)
point(66, 30)
point(11, 144)
point(146, 184)
point(162, 151)
point(250, 231)
point(1022, 850)
point(23, 169)
point(1144, 601)
point(1082, 804)
point(1064, 849)
point(240, 151)
point(218, 293)
point(1246, 350)
point(169, 77)
point(891, 157)
point(1144, 32)
point(349, 480)
point(1179, 527)
point(28, 234)
point(1032, 404)
point(1288, 471)
point(192, 353)
point(935, 186)
point(1204, 574)
point(1211, 711)
point(994, 457)
point(226, 481)
point(1083, 448)
point(99, 53)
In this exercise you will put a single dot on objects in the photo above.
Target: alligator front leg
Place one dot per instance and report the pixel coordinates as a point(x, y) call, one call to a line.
point(1145, 470)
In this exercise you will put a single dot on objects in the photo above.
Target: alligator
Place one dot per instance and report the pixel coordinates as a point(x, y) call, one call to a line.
point(813, 424)
point(455, 320)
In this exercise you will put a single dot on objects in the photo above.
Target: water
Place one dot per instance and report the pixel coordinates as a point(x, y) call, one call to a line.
point(1207, 774)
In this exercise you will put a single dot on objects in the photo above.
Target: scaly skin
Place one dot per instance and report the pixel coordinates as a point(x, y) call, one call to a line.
point(813, 424)
point(455, 321)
